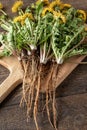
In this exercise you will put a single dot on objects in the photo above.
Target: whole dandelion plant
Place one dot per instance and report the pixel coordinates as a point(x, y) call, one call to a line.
point(42, 37)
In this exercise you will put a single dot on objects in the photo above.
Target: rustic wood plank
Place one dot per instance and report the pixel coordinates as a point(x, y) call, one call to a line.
point(3, 73)
point(73, 115)
point(79, 4)
point(75, 83)
point(15, 77)
point(16, 74)
point(72, 103)
point(74, 112)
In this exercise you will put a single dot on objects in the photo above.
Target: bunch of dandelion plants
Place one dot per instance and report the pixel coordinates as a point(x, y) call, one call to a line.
point(42, 37)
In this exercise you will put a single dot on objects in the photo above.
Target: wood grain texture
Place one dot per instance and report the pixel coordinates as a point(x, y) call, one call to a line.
point(71, 96)
point(15, 76)
point(72, 109)
point(3, 73)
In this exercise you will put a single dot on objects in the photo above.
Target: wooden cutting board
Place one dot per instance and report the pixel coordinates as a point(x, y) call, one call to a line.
point(16, 74)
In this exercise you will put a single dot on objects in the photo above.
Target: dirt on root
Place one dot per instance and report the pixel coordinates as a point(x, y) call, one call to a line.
point(36, 77)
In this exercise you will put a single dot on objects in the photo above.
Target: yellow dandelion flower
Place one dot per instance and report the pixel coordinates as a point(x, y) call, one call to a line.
point(28, 15)
point(65, 6)
point(22, 22)
point(47, 9)
point(17, 5)
point(86, 29)
point(56, 14)
point(17, 19)
point(22, 18)
point(1, 6)
point(59, 15)
point(63, 18)
point(82, 14)
point(46, 2)
point(55, 3)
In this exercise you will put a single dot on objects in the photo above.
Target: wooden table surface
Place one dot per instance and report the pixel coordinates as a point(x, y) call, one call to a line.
point(71, 96)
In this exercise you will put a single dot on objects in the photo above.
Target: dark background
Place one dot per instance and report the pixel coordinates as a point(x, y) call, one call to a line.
point(71, 96)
